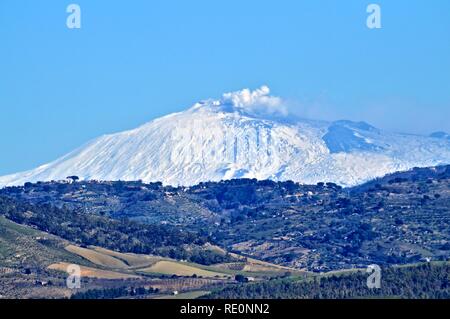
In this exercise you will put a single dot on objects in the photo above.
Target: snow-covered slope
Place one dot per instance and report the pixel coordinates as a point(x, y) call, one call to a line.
point(246, 134)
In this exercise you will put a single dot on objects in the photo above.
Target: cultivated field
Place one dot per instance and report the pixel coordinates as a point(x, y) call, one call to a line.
point(90, 272)
point(180, 269)
point(132, 260)
point(97, 257)
point(186, 295)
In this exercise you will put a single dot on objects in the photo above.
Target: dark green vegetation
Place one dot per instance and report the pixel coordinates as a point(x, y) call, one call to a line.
point(26, 254)
point(30, 248)
point(400, 219)
point(426, 281)
point(403, 218)
point(114, 293)
point(122, 235)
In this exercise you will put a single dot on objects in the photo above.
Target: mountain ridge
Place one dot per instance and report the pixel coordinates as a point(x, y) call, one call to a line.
point(245, 134)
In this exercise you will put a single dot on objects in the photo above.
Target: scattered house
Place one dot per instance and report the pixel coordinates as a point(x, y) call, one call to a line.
point(250, 279)
point(41, 283)
point(6, 270)
point(175, 292)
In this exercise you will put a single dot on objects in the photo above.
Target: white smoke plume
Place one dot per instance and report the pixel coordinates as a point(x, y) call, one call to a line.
point(258, 101)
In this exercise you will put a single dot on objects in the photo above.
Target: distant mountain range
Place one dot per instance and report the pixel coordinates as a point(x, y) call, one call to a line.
point(245, 134)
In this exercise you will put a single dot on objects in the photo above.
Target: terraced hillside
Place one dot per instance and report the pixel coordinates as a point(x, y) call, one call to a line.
point(34, 264)
point(399, 219)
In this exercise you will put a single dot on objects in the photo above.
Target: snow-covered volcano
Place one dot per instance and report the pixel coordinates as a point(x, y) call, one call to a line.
point(245, 134)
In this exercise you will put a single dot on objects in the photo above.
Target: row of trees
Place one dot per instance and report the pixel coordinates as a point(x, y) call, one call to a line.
point(113, 293)
point(425, 282)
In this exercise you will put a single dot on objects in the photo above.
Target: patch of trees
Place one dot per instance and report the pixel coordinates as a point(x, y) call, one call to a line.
point(426, 281)
point(114, 293)
point(121, 235)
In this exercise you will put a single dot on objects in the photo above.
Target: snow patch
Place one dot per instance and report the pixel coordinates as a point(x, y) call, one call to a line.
point(239, 136)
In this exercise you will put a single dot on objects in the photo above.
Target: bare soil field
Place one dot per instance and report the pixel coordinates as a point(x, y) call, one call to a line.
point(132, 260)
point(177, 268)
point(90, 272)
point(97, 257)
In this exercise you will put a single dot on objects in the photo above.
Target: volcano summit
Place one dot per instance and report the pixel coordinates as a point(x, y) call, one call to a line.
point(245, 134)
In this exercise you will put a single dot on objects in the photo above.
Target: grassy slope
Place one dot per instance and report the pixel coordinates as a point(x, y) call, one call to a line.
point(22, 246)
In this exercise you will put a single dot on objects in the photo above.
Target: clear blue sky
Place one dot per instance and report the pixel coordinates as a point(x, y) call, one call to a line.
point(135, 60)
